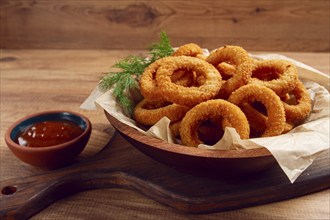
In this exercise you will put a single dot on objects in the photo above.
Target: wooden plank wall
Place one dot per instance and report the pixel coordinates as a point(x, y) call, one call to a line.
point(274, 25)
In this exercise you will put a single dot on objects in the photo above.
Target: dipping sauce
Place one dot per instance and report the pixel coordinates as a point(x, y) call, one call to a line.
point(48, 133)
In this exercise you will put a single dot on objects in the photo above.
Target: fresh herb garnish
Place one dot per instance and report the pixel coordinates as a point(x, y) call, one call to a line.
point(161, 49)
point(130, 70)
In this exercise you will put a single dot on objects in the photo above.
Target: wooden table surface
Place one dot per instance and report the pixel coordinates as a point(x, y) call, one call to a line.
point(39, 80)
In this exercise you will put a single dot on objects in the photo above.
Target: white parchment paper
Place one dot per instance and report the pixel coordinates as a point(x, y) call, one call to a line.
point(294, 151)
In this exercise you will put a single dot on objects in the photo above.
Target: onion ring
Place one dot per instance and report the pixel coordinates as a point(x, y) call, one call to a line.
point(279, 75)
point(201, 56)
point(229, 61)
point(175, 128)
point(285, 97)
point(258, 121)
point(233, 55)
point(186, 78)
point(191, 50)
point(189, 96)
point(272, 102)
point(209, 132)
point(301, 109)
point(148, 85)
point(226, 70)
point(240, 78)
point(211, 109)
point(149, 113)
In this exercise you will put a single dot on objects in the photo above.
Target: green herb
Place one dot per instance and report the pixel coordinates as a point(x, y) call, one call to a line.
point(161, 49)
point(130, 70)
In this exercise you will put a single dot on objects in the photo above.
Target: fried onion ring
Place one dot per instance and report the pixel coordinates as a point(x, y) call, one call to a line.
point(272, 102)
point(279, 75)
point(300, 110)
point(207, 110)
point(229, 61)
point(149, 113)
point(258, 121)
point(148, 85)
point(175, 128)
point(226, 70)
point(191, 50)
point(209, 132)
point(233, 55)
point(189, 96)
point(239, 78)
point(186, 78)
point(201, 56)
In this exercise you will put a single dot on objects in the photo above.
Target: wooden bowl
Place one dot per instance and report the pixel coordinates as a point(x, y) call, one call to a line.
point(202, 162)
point(54, 156)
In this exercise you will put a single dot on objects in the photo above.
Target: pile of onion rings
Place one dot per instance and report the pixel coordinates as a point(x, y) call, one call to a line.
point(201, 95)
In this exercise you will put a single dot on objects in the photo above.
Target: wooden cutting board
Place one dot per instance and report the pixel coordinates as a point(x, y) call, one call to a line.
point(120, 165)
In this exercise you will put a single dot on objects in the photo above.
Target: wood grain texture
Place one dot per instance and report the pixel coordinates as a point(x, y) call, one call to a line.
point(273, 25)
point(163, 184)
point(38, 80)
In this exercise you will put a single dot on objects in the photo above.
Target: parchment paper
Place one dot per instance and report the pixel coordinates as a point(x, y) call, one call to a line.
point(294, 151)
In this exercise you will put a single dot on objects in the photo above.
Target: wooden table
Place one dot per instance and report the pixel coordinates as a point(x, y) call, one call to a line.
point(38, 80)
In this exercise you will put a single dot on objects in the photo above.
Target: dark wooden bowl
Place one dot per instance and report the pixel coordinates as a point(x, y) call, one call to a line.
point(197, 161)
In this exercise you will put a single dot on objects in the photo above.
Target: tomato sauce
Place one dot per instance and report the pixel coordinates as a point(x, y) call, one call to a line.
point(48, 133)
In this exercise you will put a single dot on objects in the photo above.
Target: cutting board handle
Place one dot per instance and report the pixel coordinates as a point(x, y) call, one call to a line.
point(24, 197)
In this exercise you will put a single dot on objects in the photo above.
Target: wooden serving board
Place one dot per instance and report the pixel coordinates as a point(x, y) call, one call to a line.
point(24, 197)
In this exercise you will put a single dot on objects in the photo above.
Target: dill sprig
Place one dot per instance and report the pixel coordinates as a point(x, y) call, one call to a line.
point(161, 49)
point(130, 70)
point(130, 67)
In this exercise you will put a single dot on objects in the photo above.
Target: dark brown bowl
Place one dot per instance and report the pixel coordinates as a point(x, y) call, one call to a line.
point(53, 156)
point(195, 160)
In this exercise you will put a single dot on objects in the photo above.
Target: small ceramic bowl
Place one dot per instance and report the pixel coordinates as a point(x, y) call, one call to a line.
point(49, 156)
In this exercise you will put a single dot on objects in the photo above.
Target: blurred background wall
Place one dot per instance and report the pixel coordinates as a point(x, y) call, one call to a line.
point(257, 25)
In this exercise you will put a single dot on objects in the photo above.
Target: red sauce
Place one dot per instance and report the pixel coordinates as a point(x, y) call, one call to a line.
point(48, 133)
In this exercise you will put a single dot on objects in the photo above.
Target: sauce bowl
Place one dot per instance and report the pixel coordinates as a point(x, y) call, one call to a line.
point(54, 156)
